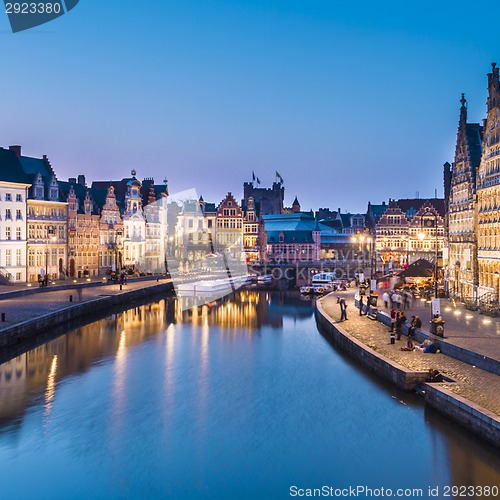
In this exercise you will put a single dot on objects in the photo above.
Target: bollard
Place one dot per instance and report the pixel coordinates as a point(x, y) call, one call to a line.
point(393, 338)
point(121, 287)
point(71, 298)
point(3, 317)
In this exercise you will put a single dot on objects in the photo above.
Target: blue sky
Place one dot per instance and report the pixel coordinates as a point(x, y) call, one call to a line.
point(349, 101)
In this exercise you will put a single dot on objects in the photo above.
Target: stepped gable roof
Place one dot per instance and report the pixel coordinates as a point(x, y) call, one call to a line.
point(81, 193)
point(412, 206)
point(11, 169)
point(32, 166)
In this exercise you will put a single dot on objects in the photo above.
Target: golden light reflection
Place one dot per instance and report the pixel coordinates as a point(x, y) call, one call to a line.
point(487, 321)
point(51, 386)
point(468, 316)
point(121, 358)
point(457, 313)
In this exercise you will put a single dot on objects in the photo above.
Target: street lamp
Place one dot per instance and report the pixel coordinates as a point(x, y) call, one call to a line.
point(370, 239)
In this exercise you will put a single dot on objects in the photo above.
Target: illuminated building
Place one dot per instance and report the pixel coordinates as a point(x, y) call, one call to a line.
point(461, 238)
point(229, 227)
point(14, 186)
point(47, 221)
point(409, 230)
point(488, 196)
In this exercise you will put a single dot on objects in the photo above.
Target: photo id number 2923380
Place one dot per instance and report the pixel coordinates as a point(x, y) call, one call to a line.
point(32, 8)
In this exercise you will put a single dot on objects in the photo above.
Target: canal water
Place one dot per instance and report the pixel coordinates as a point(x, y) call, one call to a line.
point(241, 398)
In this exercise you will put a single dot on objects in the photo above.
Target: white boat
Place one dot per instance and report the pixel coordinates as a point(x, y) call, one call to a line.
point(265, 279)
point(209, 287)
point(323, 279)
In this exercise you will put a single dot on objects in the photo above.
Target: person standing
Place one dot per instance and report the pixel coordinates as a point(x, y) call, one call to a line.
point(385, 298)
point(400, 321)
point(343, 308)
point(393, 319)
point(361, 305)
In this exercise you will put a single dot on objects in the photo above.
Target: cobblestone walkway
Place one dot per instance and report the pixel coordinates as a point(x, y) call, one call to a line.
point(27, 307)
point(478, 386)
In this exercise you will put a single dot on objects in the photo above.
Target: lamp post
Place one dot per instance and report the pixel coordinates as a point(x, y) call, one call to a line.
point(370, 239)
point(428, 223)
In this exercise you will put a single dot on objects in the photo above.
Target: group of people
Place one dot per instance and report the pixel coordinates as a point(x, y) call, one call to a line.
point(43, 280)
point(427, 346)
point(397, 299)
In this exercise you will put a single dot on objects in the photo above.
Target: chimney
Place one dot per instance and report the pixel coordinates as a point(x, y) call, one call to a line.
point(81, 180)
point(17, 150)
point(72, 180)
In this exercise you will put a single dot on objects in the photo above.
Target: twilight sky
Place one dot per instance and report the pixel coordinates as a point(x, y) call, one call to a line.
point(349, 101)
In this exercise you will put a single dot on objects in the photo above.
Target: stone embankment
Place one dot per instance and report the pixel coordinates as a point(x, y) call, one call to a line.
point(469, 395)
point(32, 314)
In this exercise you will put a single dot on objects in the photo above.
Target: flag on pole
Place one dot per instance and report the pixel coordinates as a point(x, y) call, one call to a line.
point(253, 175)
point(278, 176)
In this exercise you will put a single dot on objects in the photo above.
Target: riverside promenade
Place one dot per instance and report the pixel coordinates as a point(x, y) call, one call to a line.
point(25, 311)
point(474, 390)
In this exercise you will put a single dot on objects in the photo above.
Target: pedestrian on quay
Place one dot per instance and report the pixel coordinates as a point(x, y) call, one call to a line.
point(415, 324)
point(361, 305)
point(343, 308)
point(400, 321)
point(393, 319)
point(386, 298)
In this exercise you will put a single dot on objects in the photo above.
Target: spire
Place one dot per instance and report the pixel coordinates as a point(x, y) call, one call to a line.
point(463, 112)
point(493, 87)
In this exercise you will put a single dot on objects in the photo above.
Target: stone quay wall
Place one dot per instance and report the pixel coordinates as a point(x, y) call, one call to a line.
point(398, 375)
point(475, 418)
point(28, 329)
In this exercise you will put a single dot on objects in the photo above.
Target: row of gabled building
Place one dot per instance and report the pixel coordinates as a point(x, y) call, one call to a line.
point(55, 229)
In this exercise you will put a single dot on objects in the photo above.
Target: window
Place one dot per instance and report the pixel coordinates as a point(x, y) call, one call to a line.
point(18, 233)
point(8, 214)
point(19, 215)
point(18, 257)
point(8, 258)
point(18, 276)
point(7, 233)
point(19, 197)
point(8, 197)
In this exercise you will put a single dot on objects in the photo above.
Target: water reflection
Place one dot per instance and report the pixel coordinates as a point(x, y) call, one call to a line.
point(241, 384)
point(51, 386)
